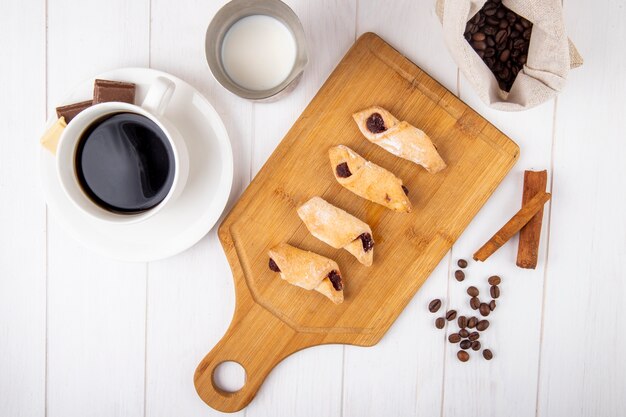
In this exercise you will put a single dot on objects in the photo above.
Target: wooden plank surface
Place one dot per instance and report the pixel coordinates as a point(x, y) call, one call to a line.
point(22, 213)
point(554, 356)
point(96, 307)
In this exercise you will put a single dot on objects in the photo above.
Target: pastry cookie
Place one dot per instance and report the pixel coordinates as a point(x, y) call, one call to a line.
point(399, 138)
point(368, 180)
point(307, 270)
point(338, 229)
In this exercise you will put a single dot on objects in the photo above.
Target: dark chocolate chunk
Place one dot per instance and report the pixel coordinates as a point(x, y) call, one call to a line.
point(335, 279)
point(343, 171)
point(273, 266)
point(406, 190)
point(71, 110)
point(105, 90)
point(375, 123)
point(368, 242)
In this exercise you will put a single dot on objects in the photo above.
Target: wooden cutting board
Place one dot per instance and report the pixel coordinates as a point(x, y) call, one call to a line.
point(273, 319)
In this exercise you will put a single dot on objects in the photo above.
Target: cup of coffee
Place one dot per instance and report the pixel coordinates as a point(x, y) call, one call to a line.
point(123, 163)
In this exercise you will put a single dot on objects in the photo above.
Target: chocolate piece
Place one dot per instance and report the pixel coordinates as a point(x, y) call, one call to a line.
point(343, 171)
point(273, 266)
point(105, 90)
point(368, 242)
point(71, 110)
point(406, 190)
point(335, 279)
point(375, 123)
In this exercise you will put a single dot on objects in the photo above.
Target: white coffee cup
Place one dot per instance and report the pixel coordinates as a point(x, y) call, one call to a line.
point(153, 107)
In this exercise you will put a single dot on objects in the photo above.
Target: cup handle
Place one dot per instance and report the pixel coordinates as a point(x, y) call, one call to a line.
point(159, 96)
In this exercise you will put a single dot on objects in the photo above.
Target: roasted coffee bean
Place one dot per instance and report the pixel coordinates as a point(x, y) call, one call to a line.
point(440, 322)
point(454, 338)
point(490, 11)
point(434, 305)
point(487, 354)
point(500, 14)
point(451, 315)
point(494, 280)
point(504, 24)
point(484, 309)
point(479, 45)
point(273, 266)
point(472, 322)
point(459, 275)
point(482, 325)
point(463, 355)
point(462, 263)
point(526, 34)
point(472, 291)
point(464, 333)
point(490, 43)
point(475, 303)
point(489, 52)
point(476, 345)
point(492, 305)
point(465, 344)
point(501, 36)
point(478, 36)
point(490, 30)
point(494, 291)
point(492, 20)
point(522, 59)
point(462, 322)
point(525, 23)
point(504, 56)
point(474, 336)
point(518, 26)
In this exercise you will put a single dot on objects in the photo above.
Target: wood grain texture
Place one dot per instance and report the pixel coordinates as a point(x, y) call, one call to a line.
point(584, 334)
point(96, 321)
point(194, 287)
point(329, 30)
point(22, 212)
point(412, 351)
point(530, 234)
point(478, 156)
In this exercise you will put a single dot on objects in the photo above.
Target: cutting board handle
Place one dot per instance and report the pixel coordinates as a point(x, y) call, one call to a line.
point(258, 341)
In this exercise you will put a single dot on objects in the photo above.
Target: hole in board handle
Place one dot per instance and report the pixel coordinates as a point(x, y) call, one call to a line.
point(229, 376)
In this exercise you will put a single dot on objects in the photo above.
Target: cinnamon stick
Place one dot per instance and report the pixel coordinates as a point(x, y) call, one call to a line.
point(513, 226)
point(528, 248)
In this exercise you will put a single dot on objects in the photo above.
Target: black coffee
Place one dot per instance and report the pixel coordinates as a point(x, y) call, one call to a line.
point(125, 163)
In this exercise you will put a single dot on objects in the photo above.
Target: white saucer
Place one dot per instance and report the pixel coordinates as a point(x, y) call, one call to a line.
point(184, 222)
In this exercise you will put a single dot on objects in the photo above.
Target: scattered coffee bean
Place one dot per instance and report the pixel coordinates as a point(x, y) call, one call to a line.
point(494, 291)
point(451, 315)
point(474, 336)
point(459, 275)
point(472, 291)
point(462, 321)
point(494, 280)
point(464, 333)
point(463, 355)
point(484, 309)
point(454, 338)
point(434, 305)
point(440, 322)
point(465, 344)
point(487, 354)
point(482, 325)
point(497, 28)
point(462, 263)
point(474, 303)
point(472, 322)
point(476, 345)
point(492, 305)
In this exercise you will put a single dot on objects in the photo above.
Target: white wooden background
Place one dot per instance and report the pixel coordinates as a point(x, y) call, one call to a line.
point(85, 336)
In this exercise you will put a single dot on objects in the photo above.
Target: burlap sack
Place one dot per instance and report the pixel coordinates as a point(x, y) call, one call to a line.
point(550, 56)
